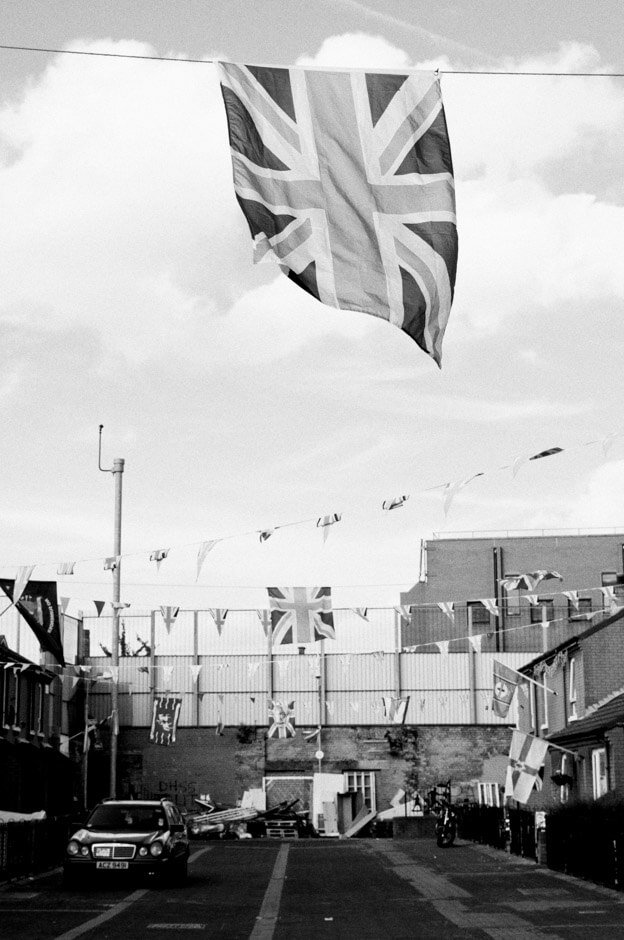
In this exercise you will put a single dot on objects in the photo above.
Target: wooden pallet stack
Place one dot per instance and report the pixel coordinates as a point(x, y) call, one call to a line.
point(282, 829)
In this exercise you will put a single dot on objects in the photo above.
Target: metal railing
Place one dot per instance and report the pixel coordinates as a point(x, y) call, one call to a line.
point(32, 846)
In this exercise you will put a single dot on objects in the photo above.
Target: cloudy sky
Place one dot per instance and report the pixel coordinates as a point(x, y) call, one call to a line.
point(128, 298)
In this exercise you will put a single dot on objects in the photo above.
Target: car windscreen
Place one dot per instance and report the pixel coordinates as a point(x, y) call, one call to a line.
point(127, 818)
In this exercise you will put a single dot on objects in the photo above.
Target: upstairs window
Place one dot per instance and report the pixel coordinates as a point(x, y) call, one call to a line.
point(543, 603)
point(512, 598)
point(614, 580)
point(480, 614)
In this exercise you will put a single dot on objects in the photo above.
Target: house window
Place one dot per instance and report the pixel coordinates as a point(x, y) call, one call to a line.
point(543, 604)
point(614, 580)
point(572, 715)
point(512, 598)
point(362, 782)
point(545, 693)
point(35, 707)
point(480, 614)
point(489, 794)
point(584, 607)
point(600, 777)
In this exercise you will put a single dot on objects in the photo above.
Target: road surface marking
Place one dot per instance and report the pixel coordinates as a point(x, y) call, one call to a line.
point(267, 918)
point(102, 918)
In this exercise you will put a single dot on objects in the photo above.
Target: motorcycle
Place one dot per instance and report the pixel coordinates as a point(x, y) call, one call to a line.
point(446, 827)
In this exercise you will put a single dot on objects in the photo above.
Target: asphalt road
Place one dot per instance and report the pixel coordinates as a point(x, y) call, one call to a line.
point(291, 890)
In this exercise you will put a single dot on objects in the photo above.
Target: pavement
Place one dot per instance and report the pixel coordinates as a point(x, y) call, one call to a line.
point(382, 889)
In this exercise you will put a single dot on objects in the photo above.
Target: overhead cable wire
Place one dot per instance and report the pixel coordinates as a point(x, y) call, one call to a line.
point(194, 61)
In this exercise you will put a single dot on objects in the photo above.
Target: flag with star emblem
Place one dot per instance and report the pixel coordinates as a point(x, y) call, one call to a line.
point(301, 615)
point(346, 181)
point(505, 681)
point(526, 756)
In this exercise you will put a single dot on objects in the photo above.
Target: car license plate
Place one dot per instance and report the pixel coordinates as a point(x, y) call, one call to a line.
point(109, 865)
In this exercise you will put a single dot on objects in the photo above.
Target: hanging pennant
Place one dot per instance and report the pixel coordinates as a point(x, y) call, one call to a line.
point(447, 608)
point(158, 556)
point(167, 672)
point(361, 612)
point(169, 615)
point(65, 568)
point(165, 715)
point(145, 669)
point(312, 735)
point(283, 665)
point(475, 642)
point(99, 606)
point(573, 597)
point(37, 604)
point(395, 502)
point(547, 453)
point(395, 709)
point(204, 548)
point(518, 462)
point(252, 669)
point(195, 671)
point(490, 605)
point(452, 489)
point(64, 603)
point(119, 605)
point(443, 646)
point(21, 580)
point(326, 521)
point(281, 719)
point(110, 564)
point(218, 614)
point(404, 611)
point(265, 534)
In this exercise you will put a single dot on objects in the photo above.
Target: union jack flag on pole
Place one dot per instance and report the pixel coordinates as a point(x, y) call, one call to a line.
point(301, 615)
point(346, 181)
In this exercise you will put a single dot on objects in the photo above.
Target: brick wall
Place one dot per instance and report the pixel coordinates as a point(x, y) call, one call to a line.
point(200, 762)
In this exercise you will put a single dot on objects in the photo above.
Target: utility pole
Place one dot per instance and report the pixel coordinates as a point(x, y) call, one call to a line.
point(117, 471)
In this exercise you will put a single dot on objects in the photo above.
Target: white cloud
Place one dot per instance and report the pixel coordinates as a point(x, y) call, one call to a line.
point(602, 501)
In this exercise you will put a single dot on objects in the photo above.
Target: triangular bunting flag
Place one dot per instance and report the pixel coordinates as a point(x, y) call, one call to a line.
point(490, 605)
point(394, 503)
point(99, 606)
point(204, 548)
point(448, 609)
point(404, 611)
point(361, 612)
point(65, 568)
point(110, 564)
point(169, 615)
point(195, 671)
point(218, 614)
point(265, 534)
point(159, 555)
point(21, 580)
point(573, 597)
point(326, 521)
point(443, 646)
point(475, 642)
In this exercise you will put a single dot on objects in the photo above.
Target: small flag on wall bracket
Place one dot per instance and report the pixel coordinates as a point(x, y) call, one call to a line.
point(505, 681)
point(281, 719)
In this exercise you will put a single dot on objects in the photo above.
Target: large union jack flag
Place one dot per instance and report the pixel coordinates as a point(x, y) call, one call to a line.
point(301, 615)
point(346, 180)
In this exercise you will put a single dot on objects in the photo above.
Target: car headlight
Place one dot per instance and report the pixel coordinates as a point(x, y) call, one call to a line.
point(73, 847)
point(84, 850)
point(143, 851)
point(156, 849)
